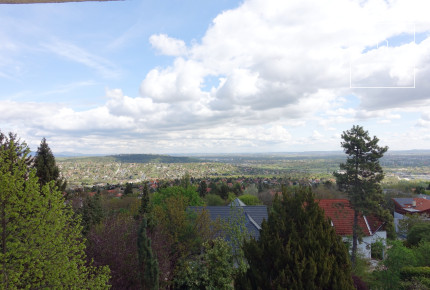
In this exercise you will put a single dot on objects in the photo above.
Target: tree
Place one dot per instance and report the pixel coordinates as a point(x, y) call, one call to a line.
point(360, 178)
point(41, 245)
point(148, 263)
point(419, 232)
point(46, 168)
point(213, 269)
point(92, 212)
point(21, 149)
point(203, 188)
point(298, 249)
point(128, 188)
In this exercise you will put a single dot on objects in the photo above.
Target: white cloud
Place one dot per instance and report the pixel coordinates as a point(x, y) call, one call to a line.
point(168, 45)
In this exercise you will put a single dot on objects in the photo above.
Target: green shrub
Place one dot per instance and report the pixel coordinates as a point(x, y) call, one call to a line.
point(249, 199)
point(407, 273)
point(214, 200)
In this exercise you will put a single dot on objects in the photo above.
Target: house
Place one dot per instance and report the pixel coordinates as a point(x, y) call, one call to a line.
point(409, 205)
point(342, 219)
point(253, 214)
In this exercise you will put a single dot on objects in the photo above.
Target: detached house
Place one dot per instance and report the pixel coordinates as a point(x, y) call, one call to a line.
point(410, 205)
point(342, 219)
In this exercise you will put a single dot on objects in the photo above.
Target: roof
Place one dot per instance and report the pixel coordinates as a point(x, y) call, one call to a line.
point(254, 214)
point(237, 202)
point(342, 217)
point(406, 204)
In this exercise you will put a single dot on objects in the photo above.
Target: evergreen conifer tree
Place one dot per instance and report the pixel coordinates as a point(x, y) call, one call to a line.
point(46, 168)
point(360, 178)
point(40, 243)
point(298, 249)
point(92, 212)
point(147, 261)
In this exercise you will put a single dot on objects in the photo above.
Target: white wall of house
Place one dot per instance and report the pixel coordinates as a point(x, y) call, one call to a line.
point(365, 247)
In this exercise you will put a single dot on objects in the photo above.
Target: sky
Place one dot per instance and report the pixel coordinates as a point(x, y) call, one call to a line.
point(224, 76)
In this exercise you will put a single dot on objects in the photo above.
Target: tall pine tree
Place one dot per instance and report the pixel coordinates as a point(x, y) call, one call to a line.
point(297, 249)
point(46, 168)
point(40, 243)
point(360, 178)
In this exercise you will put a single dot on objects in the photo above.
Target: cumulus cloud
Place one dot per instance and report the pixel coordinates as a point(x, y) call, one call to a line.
point(167, 45)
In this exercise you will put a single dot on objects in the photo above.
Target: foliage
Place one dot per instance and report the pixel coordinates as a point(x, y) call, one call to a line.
point(41, 244)
point(128, 188)
point(297, 249)
point(189, 195)
point(361, 269)
point(46, 168)
point(92, 212)
point(422, 254)
point(408, 221)
point(202, 189)
point(211, 270)
point(250, 199)
point(377, 250)
point(148, 263)
point(214, 200)
point(113, 242)
point(419, 232)
point(360, 177)
point(388, 274)
point(21, 149)
point(223, 191)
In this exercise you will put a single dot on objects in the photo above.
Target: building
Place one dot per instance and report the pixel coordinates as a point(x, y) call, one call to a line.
point(253, 214)
point(409, 205)
point(342, 219)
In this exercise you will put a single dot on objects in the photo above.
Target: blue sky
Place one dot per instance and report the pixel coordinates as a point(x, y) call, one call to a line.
point(214, 76)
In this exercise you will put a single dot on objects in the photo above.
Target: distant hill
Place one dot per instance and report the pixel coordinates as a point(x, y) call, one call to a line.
point(132, 158)
point(152, 158)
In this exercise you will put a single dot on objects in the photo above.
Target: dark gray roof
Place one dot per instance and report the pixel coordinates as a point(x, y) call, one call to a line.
point(403, 201)
point(237, 202)
point(254, 215)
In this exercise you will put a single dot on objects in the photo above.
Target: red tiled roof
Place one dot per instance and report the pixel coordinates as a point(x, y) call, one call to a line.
point(342, 216)
point(422, 204)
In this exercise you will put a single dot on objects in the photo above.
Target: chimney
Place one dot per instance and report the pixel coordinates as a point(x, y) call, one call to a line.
point(414, 203)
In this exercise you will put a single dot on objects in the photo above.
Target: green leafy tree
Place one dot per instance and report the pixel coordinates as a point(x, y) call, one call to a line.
point(147, 261)
point(388, 274)
point(298, 249)
point(419, 232)
point(46, 168)
point(360, 178)
point(41, 245)
point(237, 189)
point(211, 270)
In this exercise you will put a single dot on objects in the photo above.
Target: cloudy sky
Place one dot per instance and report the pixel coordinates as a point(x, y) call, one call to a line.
point(204, 76)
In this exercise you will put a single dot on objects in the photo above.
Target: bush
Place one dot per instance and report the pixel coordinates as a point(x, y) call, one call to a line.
point(214, 200)
point(249, 199)
point(407, 273)
point(419, 232)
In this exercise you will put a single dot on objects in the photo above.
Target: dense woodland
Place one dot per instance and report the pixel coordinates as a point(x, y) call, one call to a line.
point(139, 235)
